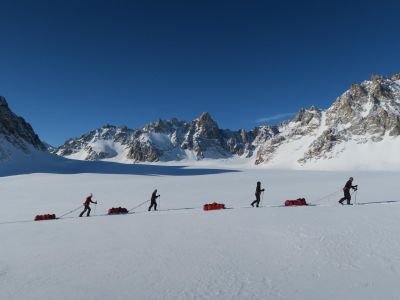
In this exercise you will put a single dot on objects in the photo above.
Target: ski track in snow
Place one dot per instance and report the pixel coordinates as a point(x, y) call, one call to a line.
point(326, 251)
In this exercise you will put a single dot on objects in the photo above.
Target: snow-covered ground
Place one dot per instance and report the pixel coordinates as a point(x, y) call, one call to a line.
point(325, 251)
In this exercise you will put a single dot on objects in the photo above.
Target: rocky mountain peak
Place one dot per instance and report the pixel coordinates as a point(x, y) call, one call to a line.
point(164, 126)
point(159, 124)
point(396, 77)
point(16, 131)
point(3, 102)
point(379, 90)
point(207, 126)
point(206, 120)
point(306, 115)
point(356, 90)
point(376, 77)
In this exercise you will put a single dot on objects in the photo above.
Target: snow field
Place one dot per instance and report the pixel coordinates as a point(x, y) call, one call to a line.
point(326, 251)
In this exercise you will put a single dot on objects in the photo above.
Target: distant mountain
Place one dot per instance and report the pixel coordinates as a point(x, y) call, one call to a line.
point(360, 129)
point(164, 140)
point(16, 135)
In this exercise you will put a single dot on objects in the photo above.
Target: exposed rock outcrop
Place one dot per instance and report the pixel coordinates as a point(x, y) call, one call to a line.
point(16, 133)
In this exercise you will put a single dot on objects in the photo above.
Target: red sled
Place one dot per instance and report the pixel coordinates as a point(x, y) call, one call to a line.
point(297, 202)
point(117, 211)
point(213, 206)
point(45, 217)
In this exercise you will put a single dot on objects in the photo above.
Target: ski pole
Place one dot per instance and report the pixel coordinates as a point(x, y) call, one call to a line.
point(95, 209)
point(159, 202)
point(262, 198)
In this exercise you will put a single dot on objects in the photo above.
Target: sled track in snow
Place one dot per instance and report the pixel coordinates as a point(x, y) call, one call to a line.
point(194, 208)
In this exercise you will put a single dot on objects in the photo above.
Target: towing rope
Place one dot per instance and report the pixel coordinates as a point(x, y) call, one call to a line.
point(139, 205)
point(327, 196)
point(70, 212)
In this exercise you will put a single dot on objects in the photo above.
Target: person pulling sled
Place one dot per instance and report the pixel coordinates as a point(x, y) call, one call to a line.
point(349, 185)
point(87, 205)
point(258, 195)
point(153, 202)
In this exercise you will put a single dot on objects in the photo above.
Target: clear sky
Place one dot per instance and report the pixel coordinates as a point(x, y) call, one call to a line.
point(69, 67)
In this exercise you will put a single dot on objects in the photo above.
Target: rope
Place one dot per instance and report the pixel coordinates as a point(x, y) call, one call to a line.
point(137, 206)
point(16, 222)
point(327, 196)
point(70, 212)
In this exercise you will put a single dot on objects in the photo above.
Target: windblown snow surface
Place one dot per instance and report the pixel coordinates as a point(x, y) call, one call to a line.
point(326, 251)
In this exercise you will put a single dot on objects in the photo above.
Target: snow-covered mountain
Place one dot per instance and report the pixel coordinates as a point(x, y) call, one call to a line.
point(165, 140)
point(360, 129)
point(16, 135)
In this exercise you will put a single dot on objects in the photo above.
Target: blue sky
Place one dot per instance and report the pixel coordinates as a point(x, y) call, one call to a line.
point(69, 67)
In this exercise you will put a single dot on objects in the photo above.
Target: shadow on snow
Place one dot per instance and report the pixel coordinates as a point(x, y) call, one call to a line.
point(59, 165)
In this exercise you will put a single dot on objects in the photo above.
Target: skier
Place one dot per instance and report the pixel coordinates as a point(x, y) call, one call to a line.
point(258, 193)
point(349, 185)
point(153, 202)
point(87, 205)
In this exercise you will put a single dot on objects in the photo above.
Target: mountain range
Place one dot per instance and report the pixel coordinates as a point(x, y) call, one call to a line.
point(359, 130)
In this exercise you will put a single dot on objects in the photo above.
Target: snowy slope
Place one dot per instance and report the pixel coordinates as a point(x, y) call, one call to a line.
point(361, 152)
point(326, 251)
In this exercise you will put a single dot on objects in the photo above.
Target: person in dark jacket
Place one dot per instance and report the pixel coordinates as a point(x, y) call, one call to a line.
point(258, 194)
point(87, 205)
point(153, 202)
point(349, 185)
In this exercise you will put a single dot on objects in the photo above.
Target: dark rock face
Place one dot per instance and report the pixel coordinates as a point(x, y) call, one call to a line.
point(16, 131)
point(143, 152)
point(375, 112)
